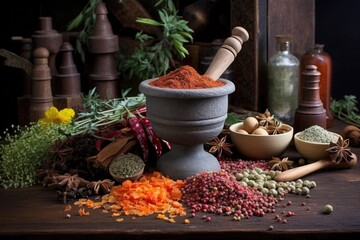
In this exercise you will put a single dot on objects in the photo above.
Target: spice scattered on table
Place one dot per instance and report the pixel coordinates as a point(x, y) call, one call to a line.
point(152, 193)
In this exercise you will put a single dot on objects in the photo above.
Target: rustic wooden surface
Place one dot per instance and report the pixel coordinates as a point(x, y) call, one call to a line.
point(35, 213)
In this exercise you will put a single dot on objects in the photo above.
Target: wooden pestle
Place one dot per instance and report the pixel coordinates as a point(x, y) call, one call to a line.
point(227, 53)
point(298, 172)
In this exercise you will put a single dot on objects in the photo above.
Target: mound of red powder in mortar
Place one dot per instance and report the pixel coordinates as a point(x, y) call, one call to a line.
point(185, 77)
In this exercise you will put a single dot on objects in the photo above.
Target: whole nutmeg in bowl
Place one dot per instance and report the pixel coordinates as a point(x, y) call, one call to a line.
point(261, 137)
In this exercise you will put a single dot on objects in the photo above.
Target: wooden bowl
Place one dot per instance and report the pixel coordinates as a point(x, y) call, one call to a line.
point(312, 151)
point(116, 167)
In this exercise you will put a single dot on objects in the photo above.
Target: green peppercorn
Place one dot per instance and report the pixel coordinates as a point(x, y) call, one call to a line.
point(252, 183)
point(307, 183)
point(298, 191)
point(265, 191)
point(281, 191)
point(243, 183)
point(327, 209)
point(239, 176)
point(305, 190)
point(273, 192)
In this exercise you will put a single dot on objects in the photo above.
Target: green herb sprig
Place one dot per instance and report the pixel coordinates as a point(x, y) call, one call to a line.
point(346, 110)
point(154, 57)
point(85, 19)
point(97, 113)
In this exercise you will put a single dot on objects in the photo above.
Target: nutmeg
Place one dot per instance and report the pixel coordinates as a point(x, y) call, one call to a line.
point(353, 134)
point(354, 138)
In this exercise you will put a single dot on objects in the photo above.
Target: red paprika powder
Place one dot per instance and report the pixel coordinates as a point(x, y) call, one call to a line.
point(185, 77)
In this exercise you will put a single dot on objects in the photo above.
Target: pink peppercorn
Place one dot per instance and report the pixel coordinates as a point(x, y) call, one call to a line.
point(220, 193)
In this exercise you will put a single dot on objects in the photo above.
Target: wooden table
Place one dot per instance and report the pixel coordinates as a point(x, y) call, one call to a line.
point(35, 213)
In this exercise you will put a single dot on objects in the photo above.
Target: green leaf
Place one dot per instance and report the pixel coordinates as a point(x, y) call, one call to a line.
point(232, 119)
point(148, 21)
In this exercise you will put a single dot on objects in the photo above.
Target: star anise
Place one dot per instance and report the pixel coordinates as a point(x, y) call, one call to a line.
point(68, 181)
point(219, 146)
point(280, 164)
point(101, 186)
point(339, 151)
point(265, 119)
point(46, 176)
point(60, 149)
point(276, 127)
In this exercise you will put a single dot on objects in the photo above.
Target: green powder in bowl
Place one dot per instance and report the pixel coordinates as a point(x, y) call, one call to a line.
point(317, 134)
point(126, 167)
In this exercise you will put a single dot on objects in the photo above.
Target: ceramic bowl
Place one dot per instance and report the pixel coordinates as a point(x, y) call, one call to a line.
point(119, 176)
point(260, 147)
point(311, 151)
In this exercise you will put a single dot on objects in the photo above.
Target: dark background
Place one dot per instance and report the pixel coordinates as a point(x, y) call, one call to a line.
point(337, 27)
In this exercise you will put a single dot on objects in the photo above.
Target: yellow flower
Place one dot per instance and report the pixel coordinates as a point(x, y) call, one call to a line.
point(54, 115)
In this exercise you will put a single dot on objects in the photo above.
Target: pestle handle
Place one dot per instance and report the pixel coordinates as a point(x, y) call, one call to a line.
point(298, 172)
point(227, 53)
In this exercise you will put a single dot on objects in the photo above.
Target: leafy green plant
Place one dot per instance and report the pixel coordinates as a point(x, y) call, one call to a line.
point(346, 109)
point(155, 57)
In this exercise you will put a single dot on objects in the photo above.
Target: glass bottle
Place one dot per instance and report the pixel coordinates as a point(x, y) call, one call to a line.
point(316, 56)
point(283, 81)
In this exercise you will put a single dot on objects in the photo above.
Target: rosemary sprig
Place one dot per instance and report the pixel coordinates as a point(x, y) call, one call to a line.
point(97, 113)
point(346, 110)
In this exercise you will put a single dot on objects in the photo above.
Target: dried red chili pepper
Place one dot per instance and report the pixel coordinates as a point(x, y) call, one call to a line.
point(141, 109)
point(136, 126)
point(154, 140)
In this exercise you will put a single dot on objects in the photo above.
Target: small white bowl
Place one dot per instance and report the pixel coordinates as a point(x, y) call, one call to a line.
point(260, 147)
point(312, 151)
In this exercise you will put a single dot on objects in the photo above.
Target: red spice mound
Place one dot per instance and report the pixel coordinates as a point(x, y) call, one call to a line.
point(185, 77)
point(220, 193)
